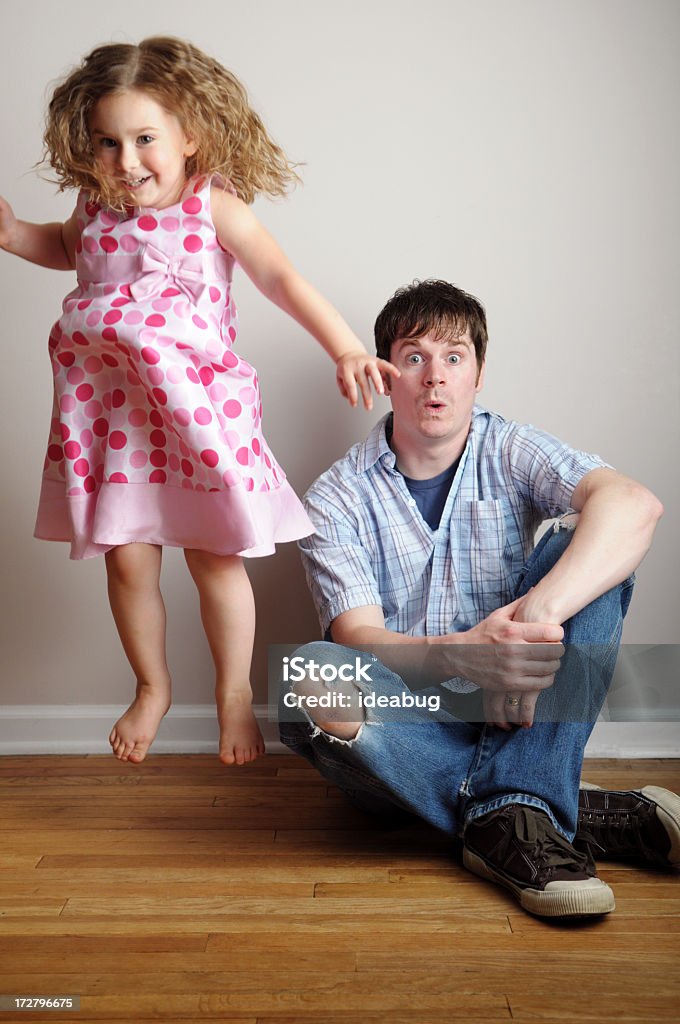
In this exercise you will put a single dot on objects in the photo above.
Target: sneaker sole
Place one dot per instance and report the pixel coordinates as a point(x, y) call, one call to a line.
point(667, 811)
point(558, 899)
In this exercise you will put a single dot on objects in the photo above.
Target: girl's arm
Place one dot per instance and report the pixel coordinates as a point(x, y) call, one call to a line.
point(240, 232)
point(48, 245)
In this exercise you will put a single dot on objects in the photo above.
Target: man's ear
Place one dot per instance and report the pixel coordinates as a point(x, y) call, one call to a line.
point(480, 377)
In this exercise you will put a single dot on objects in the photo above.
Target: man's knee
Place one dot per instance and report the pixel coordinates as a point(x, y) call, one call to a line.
point(316, 684)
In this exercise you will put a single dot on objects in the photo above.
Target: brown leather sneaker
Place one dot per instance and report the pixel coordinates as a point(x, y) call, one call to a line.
point(639, 825)
point(518, 847)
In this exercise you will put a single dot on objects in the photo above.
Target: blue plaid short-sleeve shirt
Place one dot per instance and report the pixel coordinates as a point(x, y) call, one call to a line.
point(372, 546)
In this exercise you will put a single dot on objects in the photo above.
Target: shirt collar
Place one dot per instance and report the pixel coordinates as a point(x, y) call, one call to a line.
point(376, 447)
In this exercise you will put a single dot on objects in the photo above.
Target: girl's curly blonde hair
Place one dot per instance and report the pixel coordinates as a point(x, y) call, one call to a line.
point(209, 102)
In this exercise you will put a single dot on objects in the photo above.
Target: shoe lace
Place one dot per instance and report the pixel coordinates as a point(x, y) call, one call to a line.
point(614, 832)
point(537, 834)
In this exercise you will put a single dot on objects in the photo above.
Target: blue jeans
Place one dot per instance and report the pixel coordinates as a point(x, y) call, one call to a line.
point(449, 771)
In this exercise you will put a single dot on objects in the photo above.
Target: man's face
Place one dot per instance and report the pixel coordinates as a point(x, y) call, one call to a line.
point(435, 394)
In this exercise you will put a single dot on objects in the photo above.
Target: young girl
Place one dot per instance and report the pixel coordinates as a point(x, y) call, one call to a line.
point(156, 427)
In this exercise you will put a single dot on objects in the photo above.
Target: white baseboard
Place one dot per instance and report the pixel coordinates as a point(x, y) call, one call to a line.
point(84, 729)
point(192, 729)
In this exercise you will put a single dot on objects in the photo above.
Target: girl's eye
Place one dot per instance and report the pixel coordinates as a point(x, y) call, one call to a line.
point(107, 143)
point(145, 139)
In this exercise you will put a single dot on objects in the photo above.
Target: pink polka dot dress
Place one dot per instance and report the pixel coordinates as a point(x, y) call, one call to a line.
point(156, 430)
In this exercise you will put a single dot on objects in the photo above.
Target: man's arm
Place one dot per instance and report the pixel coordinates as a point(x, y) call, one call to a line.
point(499, 654)
point(616, 524)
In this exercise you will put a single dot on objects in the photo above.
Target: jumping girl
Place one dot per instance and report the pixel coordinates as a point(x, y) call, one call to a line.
point(156, 434)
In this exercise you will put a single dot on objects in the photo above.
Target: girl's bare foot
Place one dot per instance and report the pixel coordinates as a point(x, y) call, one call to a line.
point(135, 731)
point(240, 737)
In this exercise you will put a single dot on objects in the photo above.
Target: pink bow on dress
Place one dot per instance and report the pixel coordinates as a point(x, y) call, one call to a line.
point(159, 271)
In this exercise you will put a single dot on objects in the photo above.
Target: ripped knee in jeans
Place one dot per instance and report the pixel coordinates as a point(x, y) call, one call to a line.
point(568, 521)
point(333, 711)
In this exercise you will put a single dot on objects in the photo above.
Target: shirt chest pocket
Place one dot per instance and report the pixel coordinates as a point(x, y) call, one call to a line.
point(490, 551)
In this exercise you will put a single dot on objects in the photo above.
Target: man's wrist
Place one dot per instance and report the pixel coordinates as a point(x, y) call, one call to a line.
point(541, 607)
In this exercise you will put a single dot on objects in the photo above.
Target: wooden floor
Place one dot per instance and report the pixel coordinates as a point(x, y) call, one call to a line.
point(184, 891)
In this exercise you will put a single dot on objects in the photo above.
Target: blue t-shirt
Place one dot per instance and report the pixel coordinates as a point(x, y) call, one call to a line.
point(430, 495)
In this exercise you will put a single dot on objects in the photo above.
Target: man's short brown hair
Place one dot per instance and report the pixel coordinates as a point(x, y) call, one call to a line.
point(431, 307)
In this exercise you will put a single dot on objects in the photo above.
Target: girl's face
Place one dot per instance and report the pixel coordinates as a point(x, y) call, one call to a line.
point(140, 147)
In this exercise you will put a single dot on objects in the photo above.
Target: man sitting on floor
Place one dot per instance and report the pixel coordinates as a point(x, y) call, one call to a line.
point(422, 569)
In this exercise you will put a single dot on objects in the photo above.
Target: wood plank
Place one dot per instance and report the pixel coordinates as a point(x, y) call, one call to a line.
point(142, 841)
point(292, 773)
point(468, 935)
point(231, 961)
point(220, 783)
point(471, 954)
point(189, 818)
point(625, 781)
point(155, 764)
point(363, 839)
point(616, 874)
point(18, 861)
point(431, 1017)
point(549, 964)
point(644, 906)
point(95, 1018)
point(368, 1018)
point(97, 944)
point(306, 908)
point(567, 1007)
point(235, 795)
point(256, 992)
point(453, 889)
point(30, 906)
point(373, 990)
point(326, 860)
point(137, 889)
point(475, 942)
point(372, 928)
point(616, 923)
point(194, 867)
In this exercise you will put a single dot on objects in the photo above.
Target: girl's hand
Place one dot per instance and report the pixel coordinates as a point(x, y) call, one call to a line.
point(362, 369)
point(8, 224)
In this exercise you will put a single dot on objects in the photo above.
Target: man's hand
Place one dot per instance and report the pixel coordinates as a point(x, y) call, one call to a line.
point(507, 659)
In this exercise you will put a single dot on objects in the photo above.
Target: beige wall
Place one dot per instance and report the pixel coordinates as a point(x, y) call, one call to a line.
point(521, 148)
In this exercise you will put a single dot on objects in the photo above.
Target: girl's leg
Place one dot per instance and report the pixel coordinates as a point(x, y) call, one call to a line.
point(228, 614)
point(133, 572)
